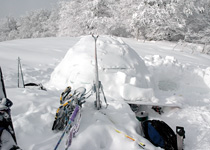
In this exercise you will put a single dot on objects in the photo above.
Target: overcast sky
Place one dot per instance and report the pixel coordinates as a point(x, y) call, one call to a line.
point(17, 8)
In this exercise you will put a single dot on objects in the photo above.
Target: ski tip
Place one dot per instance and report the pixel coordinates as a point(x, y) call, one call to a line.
point(142, 145)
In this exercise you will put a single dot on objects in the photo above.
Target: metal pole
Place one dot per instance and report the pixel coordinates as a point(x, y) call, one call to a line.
point(21, 74)
point(18, 71)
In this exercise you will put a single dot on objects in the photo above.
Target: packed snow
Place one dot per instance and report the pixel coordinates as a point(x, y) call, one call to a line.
point(143, 71)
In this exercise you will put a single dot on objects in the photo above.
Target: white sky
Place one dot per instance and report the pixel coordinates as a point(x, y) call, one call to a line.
point(17, 8)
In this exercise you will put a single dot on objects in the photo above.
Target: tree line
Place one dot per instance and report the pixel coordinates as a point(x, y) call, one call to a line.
point(171, 20)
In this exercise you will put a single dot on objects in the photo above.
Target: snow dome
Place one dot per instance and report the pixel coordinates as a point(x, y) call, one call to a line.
point(119, 66)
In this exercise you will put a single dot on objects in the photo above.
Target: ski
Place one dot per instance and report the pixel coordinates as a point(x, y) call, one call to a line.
point(152, 104)
point(157, 107)
point(7, 133)
point(2, 87)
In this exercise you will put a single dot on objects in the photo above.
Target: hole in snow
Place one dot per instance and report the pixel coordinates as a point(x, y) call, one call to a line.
point(167, 85)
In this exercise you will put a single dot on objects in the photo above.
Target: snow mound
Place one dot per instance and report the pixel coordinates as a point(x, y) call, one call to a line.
point(119, 67)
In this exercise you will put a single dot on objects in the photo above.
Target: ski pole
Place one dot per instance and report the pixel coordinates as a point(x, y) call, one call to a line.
point(69, 122)
point(142, 145)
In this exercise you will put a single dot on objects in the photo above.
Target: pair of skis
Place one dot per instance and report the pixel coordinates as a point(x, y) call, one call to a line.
point(98, 85)
point(73, 121)
point(68, 102)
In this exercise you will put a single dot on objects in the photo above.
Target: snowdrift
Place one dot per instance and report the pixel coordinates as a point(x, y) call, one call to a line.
point(120, 68)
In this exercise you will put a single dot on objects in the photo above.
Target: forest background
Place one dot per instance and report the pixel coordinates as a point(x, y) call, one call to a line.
point(170, 20)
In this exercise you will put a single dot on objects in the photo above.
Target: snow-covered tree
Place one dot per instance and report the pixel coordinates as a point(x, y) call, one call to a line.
point(158, 20)
point(37, 24)
point(99, 16)
point(198, 22)
point(83, 17)
point(172, 20)
point(40, 23)
point(8, 28)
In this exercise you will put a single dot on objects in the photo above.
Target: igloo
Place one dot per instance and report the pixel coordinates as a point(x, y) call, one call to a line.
point(120, 67)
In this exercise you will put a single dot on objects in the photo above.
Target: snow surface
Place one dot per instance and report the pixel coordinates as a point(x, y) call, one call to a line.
point(129, 70)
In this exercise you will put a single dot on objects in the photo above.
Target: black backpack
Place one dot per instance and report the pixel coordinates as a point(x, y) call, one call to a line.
point(160, 134)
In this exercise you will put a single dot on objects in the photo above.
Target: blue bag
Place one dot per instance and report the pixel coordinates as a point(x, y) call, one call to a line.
point(160, 134)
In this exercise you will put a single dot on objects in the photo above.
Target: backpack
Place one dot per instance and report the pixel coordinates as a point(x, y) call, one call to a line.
point(160, 134)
